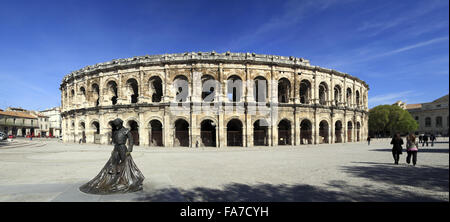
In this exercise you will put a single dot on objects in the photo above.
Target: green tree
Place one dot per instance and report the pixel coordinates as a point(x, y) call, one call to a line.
point(388, 119)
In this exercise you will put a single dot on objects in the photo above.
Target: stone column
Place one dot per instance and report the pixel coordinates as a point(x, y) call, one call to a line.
point(143, 130)
point(297, 128)
point(249, 130)
point(221, 128)
point(315, 127)
point(332, 130)
point(270, 135)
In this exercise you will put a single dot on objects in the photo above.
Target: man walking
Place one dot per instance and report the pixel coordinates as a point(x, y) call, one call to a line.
point(425, 140)
point(432, 138)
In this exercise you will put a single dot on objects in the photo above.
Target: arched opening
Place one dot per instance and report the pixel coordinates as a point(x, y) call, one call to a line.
point(284, 89)
point(96, 128)
point(305, 132)
point(305, 89)
point(112, 92)
point(323, 132)
point(234, 88)
point(208, 88)
point(83, 132)
point(284, 132)
point(260, 89)
point(181, 85)
point(134, 130)
point(208, 133)
point(338, 132)
point(181, 133)
point(349, 96)
point(349, 131)
point(323, 91)
point(358, 131)
point(96, 94)
point(337, 95)
point(155, 89)
point(133, 90)
point(24, 132)
point(260, 133)
point(357, 98)
point(72, 96)
point(234, 133)
point(156, 133)
point(83, 93)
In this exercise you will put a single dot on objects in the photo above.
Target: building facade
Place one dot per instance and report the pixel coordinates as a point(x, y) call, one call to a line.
point(432, 117)
point(54, 121)
point(19, 122)
point(214, 99)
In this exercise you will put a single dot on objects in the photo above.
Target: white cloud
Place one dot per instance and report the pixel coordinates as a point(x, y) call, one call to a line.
point(391, 98)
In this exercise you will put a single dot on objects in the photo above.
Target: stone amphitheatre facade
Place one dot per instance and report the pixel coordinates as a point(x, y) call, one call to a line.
point(214, 99)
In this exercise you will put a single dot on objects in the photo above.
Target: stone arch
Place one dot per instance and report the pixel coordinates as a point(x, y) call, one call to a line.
point(95, 94)
point(155, 132)
point(83, 92)
point(155, 85)
point(95, 127)
point(305, 91)
point(338, 130)
point(234, 88)
point(112, 91)
point(349, 131)
point(323, 93)
point(181, 87)
point(261, 132)
point(133, 125)
point(357, 98)
point(235, 132)
point(284, 90)
point(82, 129)
point(305, 132)
point(337, 94)
point(181, 127)
point(324, 132)
point(260, 89)
point(284, 132)
point(358, 131)
point(209, 88)
point(348, 96)
point(208, 132)
point(132, 88)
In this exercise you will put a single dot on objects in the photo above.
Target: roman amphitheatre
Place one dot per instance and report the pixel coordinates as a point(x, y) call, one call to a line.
point(209, 99)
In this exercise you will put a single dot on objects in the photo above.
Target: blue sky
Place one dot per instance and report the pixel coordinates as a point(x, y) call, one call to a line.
point(400, 48)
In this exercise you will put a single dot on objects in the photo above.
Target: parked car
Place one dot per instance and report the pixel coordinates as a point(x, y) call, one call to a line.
point(3, 136)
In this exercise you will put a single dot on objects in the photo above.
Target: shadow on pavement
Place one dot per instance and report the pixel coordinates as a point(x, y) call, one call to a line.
point(421, 150)
point(426, 177)
point(236, 192)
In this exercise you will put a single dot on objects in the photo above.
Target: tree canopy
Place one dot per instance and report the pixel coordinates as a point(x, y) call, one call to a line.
point(386, 119)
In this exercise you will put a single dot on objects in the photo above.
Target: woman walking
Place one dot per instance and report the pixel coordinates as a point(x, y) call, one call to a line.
point(397, 141)
point(411, 149)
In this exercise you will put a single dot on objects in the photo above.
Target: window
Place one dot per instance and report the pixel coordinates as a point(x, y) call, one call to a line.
point(439, 121)
point(428, 122)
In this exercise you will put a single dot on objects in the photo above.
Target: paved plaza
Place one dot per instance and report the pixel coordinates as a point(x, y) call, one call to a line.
point(48, 170)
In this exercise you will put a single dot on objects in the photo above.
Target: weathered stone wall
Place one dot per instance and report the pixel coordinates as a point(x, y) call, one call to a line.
point(84, 106)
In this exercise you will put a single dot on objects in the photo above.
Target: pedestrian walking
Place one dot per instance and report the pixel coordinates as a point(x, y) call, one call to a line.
point(397, 143)
point(425, 140)
point(368, 140)
point(420, 138)
point(432, 138)
point(411, 149)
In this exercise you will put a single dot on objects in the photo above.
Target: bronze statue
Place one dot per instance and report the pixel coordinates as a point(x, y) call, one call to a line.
point(120, 174)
